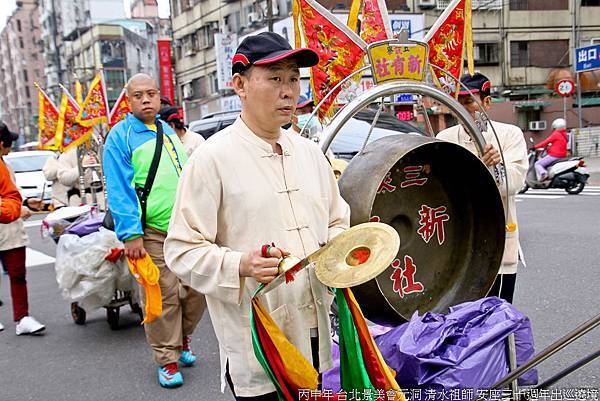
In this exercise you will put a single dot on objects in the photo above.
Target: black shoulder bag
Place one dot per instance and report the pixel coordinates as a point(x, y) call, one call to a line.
point(143, 192)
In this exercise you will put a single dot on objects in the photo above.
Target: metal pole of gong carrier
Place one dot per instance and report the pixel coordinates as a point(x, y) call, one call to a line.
point(391, 88)
point(548, 352)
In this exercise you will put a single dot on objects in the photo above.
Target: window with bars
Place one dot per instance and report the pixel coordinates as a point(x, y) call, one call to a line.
point(486, 53)
point(206, 37)
point(190, 44)
point(539, 53)
point(213, 82)
point(519, 54)
point(538, 5)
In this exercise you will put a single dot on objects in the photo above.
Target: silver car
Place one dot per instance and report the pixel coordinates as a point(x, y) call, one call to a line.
point(30, 179)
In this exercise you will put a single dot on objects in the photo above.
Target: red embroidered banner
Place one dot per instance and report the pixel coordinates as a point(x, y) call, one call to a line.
point(340, 50)
point(375, 24)
point(47, 121)
point(448, 38)
point(94, 109)
point(119, 110)
point(69, 133)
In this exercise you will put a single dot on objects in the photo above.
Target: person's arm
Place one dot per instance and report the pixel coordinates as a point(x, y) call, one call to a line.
point(547, 141)
point(190, 248)
point(516, 164)
point(50, 169)
point(10, 198)
point(122, 199)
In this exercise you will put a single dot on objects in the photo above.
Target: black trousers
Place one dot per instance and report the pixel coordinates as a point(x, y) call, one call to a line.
point(508, 287)
point(314, 344)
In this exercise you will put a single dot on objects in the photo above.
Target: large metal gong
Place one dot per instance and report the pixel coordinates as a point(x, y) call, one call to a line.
point(442, 201)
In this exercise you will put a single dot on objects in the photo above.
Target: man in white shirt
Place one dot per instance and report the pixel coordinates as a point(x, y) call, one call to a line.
point(189, 139)
point(252, 184)
point(511, 141)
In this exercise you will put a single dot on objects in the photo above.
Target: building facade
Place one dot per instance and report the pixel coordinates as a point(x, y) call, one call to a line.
point(63, 21)
point(523, 46)
point(123, 48)
point(21, 65)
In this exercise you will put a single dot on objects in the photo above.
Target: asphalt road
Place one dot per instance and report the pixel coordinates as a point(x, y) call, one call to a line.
point(557, 290)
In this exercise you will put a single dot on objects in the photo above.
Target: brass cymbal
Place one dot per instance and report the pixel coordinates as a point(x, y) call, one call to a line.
point(357, 255)
point(354, 257)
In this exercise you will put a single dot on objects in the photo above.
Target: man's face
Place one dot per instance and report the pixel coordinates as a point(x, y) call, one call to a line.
point(472, 106)
point(270, 93)
point(144, 99)
point(5, 148)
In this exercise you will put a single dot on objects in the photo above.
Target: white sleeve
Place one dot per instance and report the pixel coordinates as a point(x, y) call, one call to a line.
point(190, 249)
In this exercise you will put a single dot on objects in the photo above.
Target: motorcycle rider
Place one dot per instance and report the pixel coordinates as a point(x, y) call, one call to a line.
point(557, 150)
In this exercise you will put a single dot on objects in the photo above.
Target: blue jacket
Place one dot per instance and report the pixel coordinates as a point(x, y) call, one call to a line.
point(128, 153)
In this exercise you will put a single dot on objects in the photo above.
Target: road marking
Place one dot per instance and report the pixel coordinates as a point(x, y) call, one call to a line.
point(534, 196)
point(586, 189)
point(36, 258)
point(33, 223)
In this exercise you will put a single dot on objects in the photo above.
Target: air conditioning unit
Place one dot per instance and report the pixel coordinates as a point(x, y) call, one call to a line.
point(424, 4)
point(253, 18)
point(537, 125)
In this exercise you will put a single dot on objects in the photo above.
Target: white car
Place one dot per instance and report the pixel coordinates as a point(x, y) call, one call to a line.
point(27, 167)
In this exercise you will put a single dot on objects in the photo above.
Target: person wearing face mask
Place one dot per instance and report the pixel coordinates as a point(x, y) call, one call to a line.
point(301, 118)
point(189, 139)
point(511, 141)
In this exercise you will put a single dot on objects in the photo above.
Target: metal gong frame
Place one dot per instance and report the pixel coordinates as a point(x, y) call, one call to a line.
point(391, 88)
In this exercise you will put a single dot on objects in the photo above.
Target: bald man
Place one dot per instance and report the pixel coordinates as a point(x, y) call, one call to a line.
point(128, 154)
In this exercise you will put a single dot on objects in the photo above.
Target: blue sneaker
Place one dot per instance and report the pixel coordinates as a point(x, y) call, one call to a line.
point(188, 357)
point(169, 376)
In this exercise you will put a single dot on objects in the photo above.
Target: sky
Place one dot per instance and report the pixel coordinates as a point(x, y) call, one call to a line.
point(8, 6)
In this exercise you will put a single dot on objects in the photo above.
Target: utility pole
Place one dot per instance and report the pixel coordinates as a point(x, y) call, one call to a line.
point(54, 41)
point(270, 15)
point(575, 34)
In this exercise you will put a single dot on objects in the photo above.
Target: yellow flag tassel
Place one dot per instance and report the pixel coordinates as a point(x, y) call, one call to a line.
point(469, 36)
point(296, 15)
point(353, 16)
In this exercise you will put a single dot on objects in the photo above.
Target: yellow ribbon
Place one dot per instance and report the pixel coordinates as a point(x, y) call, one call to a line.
point(296, 366)
point(147, 274)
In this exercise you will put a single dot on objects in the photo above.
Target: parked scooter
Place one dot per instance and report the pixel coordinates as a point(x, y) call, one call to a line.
point(569, 173)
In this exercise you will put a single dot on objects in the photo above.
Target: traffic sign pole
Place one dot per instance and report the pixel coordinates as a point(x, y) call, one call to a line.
point(579, 117)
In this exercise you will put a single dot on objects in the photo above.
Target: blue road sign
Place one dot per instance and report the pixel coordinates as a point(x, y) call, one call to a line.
point(587, 58)
point(404, 98)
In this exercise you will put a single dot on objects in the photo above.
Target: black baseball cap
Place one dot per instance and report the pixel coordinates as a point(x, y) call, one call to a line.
point(304, 101)
point(166, 113)
point(269, 47)
point(476, 83)
point(6, 135)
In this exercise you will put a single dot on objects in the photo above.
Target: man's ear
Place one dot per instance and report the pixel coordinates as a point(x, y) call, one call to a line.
point(487, 103)
point(239, 84)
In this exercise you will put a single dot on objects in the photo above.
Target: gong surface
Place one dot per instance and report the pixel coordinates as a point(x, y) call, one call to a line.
point(447, 210)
